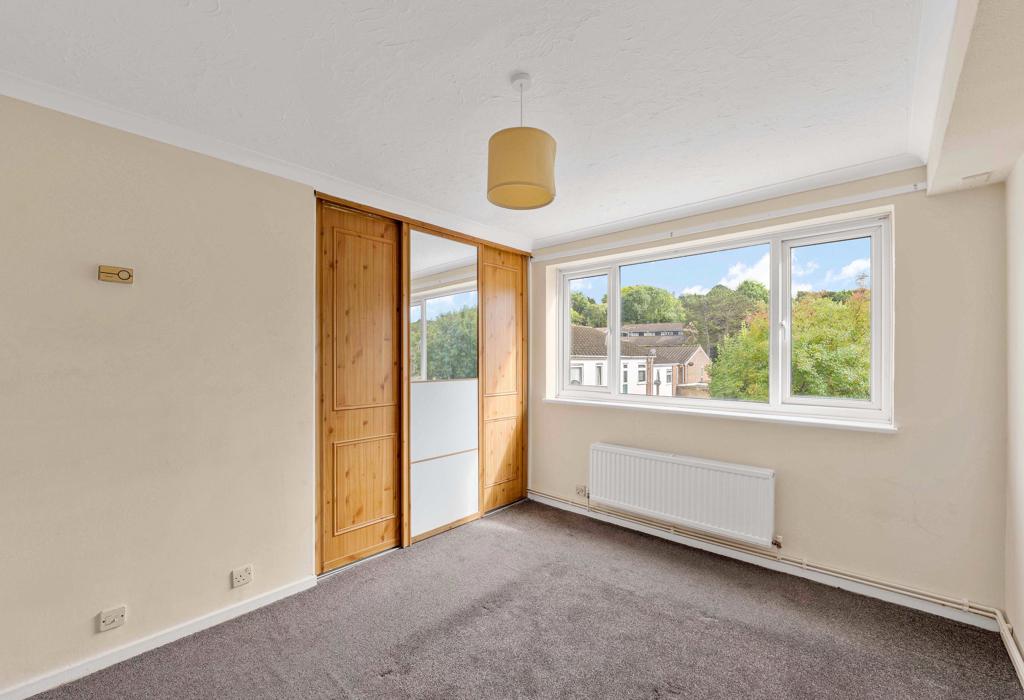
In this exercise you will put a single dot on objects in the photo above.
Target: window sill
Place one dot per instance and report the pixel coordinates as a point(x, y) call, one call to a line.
point(815, 421)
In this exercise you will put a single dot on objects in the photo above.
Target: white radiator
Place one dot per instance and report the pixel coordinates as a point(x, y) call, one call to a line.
point(728, 500)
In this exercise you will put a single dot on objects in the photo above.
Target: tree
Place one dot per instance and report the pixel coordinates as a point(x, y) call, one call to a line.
point(842, 296)
point(587, 312)
point(642, 303)
point(831, 355)
point(741, 370)
point(832, 345)
point(451, 345)
point(722, 311)
point(753, 290)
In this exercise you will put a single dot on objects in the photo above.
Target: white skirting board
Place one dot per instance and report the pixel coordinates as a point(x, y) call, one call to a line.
point(79, 669)
point(71, 672)
point(864, 589)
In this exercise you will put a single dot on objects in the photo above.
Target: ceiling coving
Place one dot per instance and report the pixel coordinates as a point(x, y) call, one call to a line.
point(657, 104)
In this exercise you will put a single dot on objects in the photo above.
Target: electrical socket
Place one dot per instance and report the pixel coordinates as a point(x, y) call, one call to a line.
point(241, 576)
point(582, 491)
point(114, 617)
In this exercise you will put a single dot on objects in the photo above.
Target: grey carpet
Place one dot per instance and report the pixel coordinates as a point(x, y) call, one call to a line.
point(537, 602)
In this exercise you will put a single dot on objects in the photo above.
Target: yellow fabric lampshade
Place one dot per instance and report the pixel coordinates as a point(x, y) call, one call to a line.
point(521, 168)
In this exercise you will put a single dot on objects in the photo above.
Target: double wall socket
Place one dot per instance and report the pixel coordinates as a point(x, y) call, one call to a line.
point(241, 576)
point(114, 617)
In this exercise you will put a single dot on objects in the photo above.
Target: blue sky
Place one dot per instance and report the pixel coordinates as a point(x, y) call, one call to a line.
point(454, 302)
point(823, 266)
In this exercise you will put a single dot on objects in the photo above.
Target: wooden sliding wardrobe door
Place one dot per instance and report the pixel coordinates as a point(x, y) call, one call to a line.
point(502, 377)
point(360, 387)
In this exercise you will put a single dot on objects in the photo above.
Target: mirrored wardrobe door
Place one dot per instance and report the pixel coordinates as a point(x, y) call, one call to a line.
point(444, 456)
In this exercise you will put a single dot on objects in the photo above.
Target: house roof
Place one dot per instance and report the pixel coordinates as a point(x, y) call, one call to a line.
point(686, 333)
point(653, 341)
point(628, 349)
point(674, 354)
point(652, 327)
point(590, 342)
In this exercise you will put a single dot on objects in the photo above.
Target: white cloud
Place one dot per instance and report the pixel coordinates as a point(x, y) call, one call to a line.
point(593, 287)
point(801, 287)
point(850, 271)
point(805, 269)
point(696, 289)
point(759, 272)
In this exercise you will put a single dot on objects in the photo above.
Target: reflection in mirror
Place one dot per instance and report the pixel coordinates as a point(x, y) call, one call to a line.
point(443, 392)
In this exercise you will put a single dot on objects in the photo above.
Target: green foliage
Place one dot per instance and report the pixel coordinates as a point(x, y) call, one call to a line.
point(584, 311)
point(842, 296)
point(741, 370)
point(832, 345)
point(642, 303)
point(831, 350)
point(753, 290)
point(722, 311)
point(451, 345)
point(415, 356)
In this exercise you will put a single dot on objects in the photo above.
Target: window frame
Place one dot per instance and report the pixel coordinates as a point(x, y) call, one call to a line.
point(422, 304)
point(420, 300)
point(786, 330)
point(566, 341)
point(878, 411)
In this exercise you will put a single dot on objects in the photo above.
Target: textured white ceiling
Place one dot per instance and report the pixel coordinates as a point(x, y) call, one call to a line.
point(430, 254)
point(654, 103)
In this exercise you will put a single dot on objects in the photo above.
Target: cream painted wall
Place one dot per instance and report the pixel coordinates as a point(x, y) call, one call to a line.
point(923, 507)
point(1015, 395)
point(154, 436)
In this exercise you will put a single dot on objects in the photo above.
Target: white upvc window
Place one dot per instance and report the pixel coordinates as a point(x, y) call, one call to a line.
point(798, 320)
point(455, 359)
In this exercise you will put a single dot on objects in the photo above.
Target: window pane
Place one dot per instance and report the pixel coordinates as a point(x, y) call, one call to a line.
point(415, 340)
point(697, 325)
point(451, 337)
point(588, 327)
point(831, 319)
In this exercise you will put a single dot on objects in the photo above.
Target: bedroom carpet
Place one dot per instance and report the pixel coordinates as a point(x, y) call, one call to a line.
point(534, 602)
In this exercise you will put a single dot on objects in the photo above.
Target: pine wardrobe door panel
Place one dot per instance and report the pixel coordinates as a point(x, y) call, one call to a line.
point(359, 386)
point(503, 381)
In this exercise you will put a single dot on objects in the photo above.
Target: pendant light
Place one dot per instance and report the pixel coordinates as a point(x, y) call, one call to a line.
point(521, 162)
